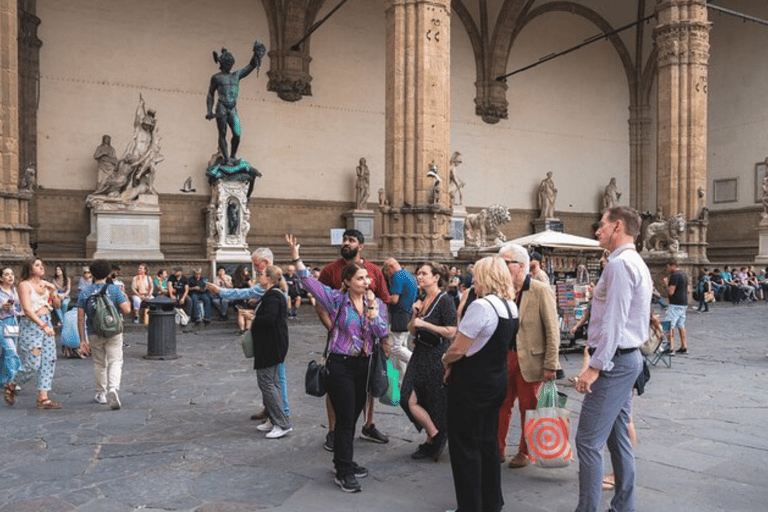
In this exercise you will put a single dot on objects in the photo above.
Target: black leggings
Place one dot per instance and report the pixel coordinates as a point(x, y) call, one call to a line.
point(346, 386)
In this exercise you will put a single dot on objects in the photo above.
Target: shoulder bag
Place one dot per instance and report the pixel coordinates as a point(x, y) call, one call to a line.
point(314, 379)
point(425, 336)
point(378, 382)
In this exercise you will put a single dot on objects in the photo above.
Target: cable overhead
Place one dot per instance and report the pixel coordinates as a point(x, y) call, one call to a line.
point(588, 41)
point(296, 47)
point(606, 35)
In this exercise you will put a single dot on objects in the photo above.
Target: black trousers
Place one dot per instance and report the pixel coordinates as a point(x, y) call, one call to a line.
point(474, 453)
point(346, 387)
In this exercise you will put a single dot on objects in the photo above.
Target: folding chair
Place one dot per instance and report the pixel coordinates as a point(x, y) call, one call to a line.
point(658, 348)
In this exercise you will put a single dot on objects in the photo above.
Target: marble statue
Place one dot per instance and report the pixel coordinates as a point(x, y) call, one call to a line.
point(383, 201)
point(611, 195)
point(28, 179)
point(106, 157)
point(665, 235)
point(478, 225)
point(226, 84)
point(134, 174)
point(703, 216)
point(456, 183)
point(435, 191)
point(547, 195)
point(764, 201)
point(362, 185)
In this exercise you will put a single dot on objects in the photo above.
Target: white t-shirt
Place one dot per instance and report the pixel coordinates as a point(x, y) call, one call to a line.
point(481, 319)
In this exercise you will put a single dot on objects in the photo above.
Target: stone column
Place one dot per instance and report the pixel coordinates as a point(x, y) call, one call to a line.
point(639, 163)
point(14, 205)
point(418, 109)
point(682, 40)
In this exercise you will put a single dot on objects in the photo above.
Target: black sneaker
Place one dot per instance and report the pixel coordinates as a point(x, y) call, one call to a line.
point(438, 445)
point(348, 483)
point(424, 451)
point(359, 471)
point(372, 434)
point(329, 441)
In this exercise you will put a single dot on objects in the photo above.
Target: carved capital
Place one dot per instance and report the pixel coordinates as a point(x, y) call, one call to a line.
point(491, 102)
point(289, 74)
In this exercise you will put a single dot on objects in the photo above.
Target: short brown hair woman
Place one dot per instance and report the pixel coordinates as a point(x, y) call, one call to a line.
point(433, 323)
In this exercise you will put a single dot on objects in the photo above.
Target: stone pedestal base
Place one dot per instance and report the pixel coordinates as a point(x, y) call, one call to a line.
point(361, 220)
point(125, 232)
point(540, 225)
point(762, 253)
point(458, 219)
point(228, 223)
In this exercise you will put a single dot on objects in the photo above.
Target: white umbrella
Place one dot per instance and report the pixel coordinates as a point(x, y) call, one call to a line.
point(559, 240)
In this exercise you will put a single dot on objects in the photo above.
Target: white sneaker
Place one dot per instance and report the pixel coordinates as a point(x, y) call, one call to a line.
point(113, 399)
point(264, 427)
point(100, 398)
point(277, 432)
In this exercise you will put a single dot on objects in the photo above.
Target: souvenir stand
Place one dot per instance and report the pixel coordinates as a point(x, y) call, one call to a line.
point(572, 262)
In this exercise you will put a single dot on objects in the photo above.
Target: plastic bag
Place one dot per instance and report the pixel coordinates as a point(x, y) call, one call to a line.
point(392, 396)
point(548, 429)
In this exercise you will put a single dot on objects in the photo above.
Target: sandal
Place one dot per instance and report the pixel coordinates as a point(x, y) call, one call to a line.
point(47, 404)
point(9, 393)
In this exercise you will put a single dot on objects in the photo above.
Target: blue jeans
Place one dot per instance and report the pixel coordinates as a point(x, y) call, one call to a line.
point(197, 298)
point(283, 383)
point(9, 358)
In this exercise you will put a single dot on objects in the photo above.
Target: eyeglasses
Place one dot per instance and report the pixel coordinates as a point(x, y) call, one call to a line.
point(509, 262)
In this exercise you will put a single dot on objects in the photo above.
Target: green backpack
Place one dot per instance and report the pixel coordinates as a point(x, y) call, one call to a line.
point(106, 319)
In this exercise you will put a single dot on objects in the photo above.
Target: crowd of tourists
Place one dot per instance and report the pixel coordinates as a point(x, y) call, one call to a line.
point(468, 347)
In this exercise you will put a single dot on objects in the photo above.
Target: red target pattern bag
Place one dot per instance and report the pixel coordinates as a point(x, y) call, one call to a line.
point(548, 429)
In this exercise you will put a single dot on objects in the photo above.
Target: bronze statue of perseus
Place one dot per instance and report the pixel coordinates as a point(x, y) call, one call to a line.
point(227, 84)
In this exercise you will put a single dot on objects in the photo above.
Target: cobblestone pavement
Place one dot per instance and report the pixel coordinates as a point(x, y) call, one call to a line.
point(183, 439)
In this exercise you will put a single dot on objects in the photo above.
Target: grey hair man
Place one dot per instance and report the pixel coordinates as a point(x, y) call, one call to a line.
point(534, 356)
point(261, 258)
point(618, 326)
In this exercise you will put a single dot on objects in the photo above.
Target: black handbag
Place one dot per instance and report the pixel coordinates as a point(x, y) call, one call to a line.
point(428, 338)
point(314, 380)
point(317, 373)
point(378, 383)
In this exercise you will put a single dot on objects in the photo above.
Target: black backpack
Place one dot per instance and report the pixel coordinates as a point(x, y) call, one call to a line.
point(106, 319)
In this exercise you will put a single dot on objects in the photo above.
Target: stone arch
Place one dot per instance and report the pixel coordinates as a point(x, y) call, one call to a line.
point(589, 15)
point(492, 53)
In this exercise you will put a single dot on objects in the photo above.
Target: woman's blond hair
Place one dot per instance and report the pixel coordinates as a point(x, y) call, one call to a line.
point(492, 274)
point(275, 276)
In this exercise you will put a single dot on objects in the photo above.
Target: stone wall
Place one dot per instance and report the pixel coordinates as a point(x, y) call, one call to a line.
point(733, 236)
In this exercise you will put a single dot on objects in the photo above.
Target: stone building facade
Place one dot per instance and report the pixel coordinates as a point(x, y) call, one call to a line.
point(668, 107)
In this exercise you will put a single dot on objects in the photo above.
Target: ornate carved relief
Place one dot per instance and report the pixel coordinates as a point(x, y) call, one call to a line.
point(289, 65)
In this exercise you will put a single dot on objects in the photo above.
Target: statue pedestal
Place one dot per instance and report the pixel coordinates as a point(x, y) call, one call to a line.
point(762, 253)
point(458, 219)
point(227, 216)
point(361, 220)
point(540, 225)
point(122, 231)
